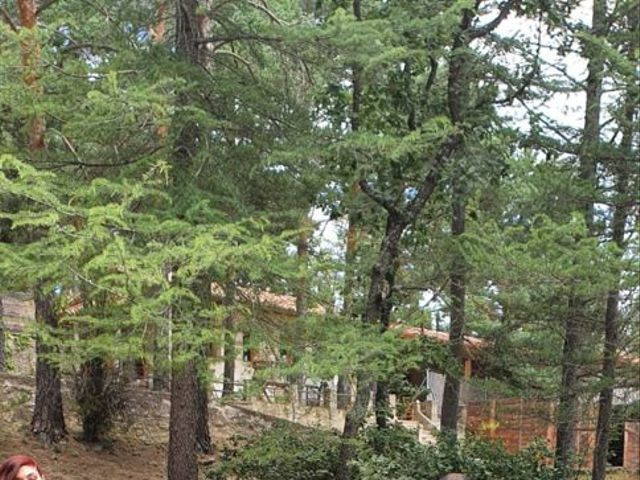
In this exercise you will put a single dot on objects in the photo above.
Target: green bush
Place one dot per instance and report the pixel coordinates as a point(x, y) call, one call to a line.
point(290, 452)
point(396, 454)
point(286, 452)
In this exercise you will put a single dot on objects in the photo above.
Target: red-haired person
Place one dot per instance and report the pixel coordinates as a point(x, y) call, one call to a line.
point(20, 467)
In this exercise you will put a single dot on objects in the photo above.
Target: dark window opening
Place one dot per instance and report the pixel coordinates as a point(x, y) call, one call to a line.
point(615, 454)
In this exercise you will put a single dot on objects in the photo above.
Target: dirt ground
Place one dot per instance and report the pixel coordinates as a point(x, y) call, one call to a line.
point(136, 451)
point(130, 459)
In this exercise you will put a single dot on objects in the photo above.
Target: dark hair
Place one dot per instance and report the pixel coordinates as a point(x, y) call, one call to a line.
point(12, 465)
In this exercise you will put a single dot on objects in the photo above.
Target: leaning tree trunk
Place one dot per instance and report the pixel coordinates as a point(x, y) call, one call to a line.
point(47, 422)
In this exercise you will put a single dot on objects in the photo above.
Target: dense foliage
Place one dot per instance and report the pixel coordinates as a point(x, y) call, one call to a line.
point(289, 452)
point(162, 163)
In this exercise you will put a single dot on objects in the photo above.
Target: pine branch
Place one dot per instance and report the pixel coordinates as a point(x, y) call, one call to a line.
point(236, 37)
point(377, 197)
point(8, 19)
point(432, 75)
point(447, 148)
point(264, 8)
point(484, 30)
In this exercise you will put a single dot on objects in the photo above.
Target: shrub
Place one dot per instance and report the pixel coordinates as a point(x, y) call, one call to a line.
point(394, 453)
point(290, 452)
point(286, 452)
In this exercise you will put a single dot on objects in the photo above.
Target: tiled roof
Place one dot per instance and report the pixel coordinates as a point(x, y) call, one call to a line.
point(470, 343)
point(278, 301)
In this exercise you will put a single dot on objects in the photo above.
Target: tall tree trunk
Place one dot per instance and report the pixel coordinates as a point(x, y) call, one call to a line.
point(355, 416)
point(605, 399)
point(451, 395)
point(353, 422)
point(457, 97)
point(377, 301)
point(94, 400)
point(351, 247)
point(573, 332)
point(28, 10)
point(568, 401)
point(381, 405)
point(182, 462)
point(181, 458)
point(203, 437)
point(611, 326)
point(47, 422)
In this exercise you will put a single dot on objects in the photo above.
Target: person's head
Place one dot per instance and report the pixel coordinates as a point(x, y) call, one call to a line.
point(20, 467)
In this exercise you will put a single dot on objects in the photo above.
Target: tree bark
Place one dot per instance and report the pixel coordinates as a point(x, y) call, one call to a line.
point(611, 321)
point(569, 398)
point(203, 437)
point(181, 458)
point(47, 422)
point(94, 401)
point(202, 288)
point(378, 300)
point(352, 424)
point(605, 398)
point(28, 10)
point(457, 97)
point(381, 405)
point(569, 395)
point(182, 462)
point(451, 395)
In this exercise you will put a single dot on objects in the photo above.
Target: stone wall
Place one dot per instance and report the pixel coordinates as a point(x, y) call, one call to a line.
point(18, 314)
